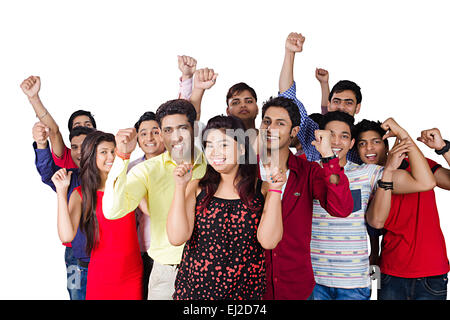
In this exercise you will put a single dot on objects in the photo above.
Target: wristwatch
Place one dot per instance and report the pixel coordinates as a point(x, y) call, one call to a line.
point(328, 159)
point(444, 149)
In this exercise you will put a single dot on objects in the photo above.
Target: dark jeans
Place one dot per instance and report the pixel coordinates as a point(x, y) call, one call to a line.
point(76, 276)
point(148, 265)
point(428, 288)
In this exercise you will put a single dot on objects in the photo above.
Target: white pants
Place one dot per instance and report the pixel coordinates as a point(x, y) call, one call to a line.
point(161, 285)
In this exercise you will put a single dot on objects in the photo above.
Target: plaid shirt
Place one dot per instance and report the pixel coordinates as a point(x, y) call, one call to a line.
point(307, 128)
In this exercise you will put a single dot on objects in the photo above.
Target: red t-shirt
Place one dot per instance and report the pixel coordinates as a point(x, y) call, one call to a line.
point(414, 246)
point(66, 160)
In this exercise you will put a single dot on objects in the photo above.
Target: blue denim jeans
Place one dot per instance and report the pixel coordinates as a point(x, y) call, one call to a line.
point(76, 276)
point(427, 288)
point(329, 293)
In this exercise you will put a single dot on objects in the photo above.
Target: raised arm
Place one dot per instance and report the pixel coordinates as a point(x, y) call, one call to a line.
point(68, 214)
point(294, 44)
point(322, 76)
point(432, 138)
point(123, 192)
point(31, 87)
point(380, 205)
point(187, 66)
point(180, 220)
point(287, 89)
point(330, 184)
point(204, 79)
point(421, 178)
point(270, 229)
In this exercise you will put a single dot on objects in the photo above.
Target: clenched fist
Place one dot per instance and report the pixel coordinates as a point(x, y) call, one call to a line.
point(204, 78)
point(31, 86)
point(294, 42)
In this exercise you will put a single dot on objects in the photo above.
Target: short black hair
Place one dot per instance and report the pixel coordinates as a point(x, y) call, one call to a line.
point(176, 106)
point(147, 116)
point(238, 88)
point(81, 113)
point(78, 131)
point(368, 125)
point(346, 85)
point(285, 103)
point(316, 117)
point(338, 116)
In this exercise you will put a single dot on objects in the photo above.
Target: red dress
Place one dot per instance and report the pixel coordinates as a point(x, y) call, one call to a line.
point(115, 267)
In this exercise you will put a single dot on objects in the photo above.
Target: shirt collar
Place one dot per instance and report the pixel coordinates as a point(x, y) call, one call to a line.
point(199, 159)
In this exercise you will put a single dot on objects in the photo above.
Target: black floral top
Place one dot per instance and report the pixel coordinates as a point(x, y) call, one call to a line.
point(223, 259)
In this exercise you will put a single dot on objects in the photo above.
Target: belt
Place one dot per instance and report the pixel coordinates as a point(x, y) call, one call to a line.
point(82, 263)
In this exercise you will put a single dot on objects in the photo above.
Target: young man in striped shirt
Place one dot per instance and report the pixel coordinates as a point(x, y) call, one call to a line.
point(339, 252)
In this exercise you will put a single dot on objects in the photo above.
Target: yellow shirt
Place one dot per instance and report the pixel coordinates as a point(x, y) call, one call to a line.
point(154, 180)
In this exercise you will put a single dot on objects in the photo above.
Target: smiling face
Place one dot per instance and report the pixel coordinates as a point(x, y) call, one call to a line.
point(149, 139)
point(243, 106)
point(75, 148)
point(221, 151)
point(371, 148)
point(178, 137)
point(276, 127)
point(344, 101)
point(105, 156)
point(341, 140)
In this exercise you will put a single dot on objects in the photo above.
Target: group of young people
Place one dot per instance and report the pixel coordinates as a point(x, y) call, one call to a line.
point(233, 213)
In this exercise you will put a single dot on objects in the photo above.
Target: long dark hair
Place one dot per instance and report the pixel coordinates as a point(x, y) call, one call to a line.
point(247, 172)
point(90, 183)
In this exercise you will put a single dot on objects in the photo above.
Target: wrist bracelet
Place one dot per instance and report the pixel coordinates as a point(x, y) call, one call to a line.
point(328, 159)
point(123, 156)
point(385, 185)
point(444, 149)
point(274, 190)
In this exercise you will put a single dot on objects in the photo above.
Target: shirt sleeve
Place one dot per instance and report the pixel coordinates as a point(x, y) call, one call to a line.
point(65, 161)
point(307, 125)
point(123, 191)
point(45, 165)
point(185, 91)
point(336, 199)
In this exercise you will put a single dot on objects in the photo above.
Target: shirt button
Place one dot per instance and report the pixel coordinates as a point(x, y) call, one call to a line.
point(331, 166)
point(275, 279)
point(274, 254)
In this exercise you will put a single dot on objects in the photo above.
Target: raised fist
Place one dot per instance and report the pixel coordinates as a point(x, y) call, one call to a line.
point(397, 153)
point(187, 66)
point(31, 86)
point(126, 140)
point(432, 138)
point(40, 133)
point(294, 42)
point(323, 143)
point(393, 129)
point(205, 78)
point(322, 75)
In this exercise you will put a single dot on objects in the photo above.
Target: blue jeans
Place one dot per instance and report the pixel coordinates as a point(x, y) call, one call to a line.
point(329, 293)
point(427, 288)
point(76, 276)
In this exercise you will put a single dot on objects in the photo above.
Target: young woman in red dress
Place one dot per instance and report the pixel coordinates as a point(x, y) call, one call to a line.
point(115, 268)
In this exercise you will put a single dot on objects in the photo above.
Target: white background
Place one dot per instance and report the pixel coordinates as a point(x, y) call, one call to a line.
point(119, 59)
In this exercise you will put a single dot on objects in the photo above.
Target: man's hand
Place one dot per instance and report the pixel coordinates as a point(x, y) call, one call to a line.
point(323, 143)
point(61, 179)
point(322, 75)
point(40, 134)
point(432, 138)
point(183, 174)
point(187, 66)
point(393, 129)
point(31, 86)
point(204, 78)
point(294, 42)
point(397, 153)
point(126, 140)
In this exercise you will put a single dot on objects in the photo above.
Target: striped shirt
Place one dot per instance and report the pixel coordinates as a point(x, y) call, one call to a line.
point(339, 251)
